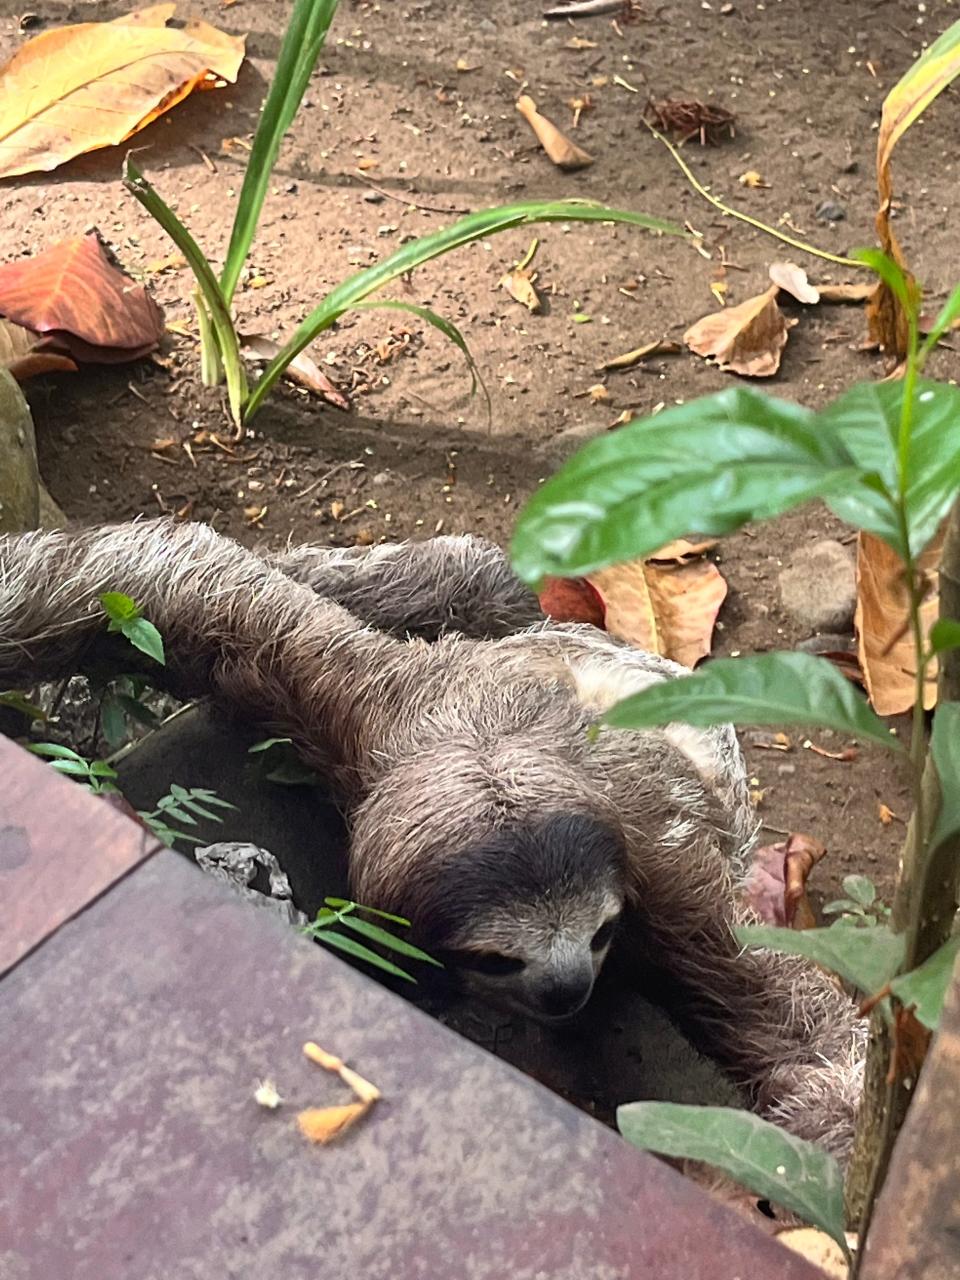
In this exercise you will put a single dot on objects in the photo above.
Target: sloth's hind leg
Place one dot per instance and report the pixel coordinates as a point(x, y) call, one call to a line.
point(463, 584)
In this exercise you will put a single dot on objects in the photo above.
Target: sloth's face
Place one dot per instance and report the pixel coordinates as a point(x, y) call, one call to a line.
point(528, 915)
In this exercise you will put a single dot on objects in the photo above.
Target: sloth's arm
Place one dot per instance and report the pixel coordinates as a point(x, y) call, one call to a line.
point(462, 584)
point(233, 628)
point(779, 1025)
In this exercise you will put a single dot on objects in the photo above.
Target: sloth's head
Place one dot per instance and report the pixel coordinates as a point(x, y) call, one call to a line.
point(517, 887)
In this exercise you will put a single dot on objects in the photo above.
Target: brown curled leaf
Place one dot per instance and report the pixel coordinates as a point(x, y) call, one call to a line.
point(565, 154)
point(746, 339)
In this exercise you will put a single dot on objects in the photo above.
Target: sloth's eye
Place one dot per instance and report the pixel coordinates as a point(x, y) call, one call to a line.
point(604, 935)
point(491, 962)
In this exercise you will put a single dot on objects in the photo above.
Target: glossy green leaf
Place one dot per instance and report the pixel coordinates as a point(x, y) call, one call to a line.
point(944, 321)
point(889, 272)
point(868, 958)
point(75, 768)
point(113, 720)
point(143, 635)
point(945, 751)
point(386, 939)
point(773, 688)
point(54, 751)
point(841, 904)
point(342, 903)
point(926, 988)
point(762, 1157)
point(944, 635)
point(360, 952)
point(118, 607)
point(865, 422)
point(706, 467)
point(861, 889)
point(475, 226)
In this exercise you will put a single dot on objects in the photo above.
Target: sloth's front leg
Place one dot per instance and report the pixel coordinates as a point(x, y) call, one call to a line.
point(463, 584)
point(777, 1024)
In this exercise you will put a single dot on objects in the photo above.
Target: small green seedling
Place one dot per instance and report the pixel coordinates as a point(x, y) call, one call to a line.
point(861, 907)
point(93, 775)
point(183, 805)
point(340, 913)
point(126, 617)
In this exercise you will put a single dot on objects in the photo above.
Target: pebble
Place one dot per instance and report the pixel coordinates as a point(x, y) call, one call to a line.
point(830, 211)
point(818, 586)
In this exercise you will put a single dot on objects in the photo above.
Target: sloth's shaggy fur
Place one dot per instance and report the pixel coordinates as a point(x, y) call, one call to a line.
point(452, 722)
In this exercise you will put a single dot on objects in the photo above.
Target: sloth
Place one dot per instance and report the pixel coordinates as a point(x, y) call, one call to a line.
point(452, 722)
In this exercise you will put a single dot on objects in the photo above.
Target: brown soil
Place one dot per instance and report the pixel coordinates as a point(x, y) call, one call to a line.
point(416, 454)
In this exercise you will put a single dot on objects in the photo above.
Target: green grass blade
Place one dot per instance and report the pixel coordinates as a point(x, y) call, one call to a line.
point(304, 39)
point(446, 327)
point(220, 317)
point(475, 226)
point(386, 939)
point(360, 952)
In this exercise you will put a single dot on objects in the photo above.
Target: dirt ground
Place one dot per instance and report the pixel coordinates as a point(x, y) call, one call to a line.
point(393, 141)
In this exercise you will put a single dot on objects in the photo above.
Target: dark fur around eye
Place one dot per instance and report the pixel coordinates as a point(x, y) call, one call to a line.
point(604, 935)
point(491, 962)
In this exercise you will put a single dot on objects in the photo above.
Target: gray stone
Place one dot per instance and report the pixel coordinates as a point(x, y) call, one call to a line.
point(830, 211)
point(818, 586)
point(19, 479)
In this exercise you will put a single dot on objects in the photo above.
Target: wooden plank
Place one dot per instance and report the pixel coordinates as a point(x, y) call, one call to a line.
point(59, 850)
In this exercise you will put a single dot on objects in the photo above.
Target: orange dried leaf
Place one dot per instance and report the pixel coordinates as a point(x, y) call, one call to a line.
point(302, 369)
point(26, 354)
point(323, 1124)
point(74, 289)
point(681, 550)
point(882, 621)
point(564, 153)
point(661, 347)
point(745, 339)
point(752, 179)
point(859, 292)
point(670, 610)
point(885, 814)
point(572, 600)
point(519, 283)
point(79, 88)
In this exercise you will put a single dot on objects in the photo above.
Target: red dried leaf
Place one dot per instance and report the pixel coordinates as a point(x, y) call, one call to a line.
point(776, 885)
point(26, 354)
point(572, 600)
point(75, 289)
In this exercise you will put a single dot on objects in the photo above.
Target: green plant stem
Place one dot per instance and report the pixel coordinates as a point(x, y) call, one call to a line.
point(728, 212)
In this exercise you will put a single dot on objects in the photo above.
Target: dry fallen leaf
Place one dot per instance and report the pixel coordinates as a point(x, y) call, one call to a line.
point(74, 293)
point(752, 179)
point(858, 292)
point(663, 609)
point(885, 814)
point(572, 600)
point(26, 354)
point(746, 339)
point(578, 42)
point(661, 347)
point(519, 283)
point(681, 550)
point(79, 88)
point(719, 289)
point(776, 883)
point(564, 153)
point(884, 642)
point(302, 369)
point(794, 280)
point(819, 1248)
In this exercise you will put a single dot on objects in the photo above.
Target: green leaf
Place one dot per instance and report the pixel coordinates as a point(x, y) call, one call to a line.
point(945, 751)
point(386, 939)
point(102, 769)
point(19, 702)
point(113, 720)
point(476, 226)
point(211, 797)
point(890, 273)
point(841, 904)
point(118, 607)
point(769, 1161)
point(708, 466)
point(143, 635)
point(75, 768)
point(943, 322)
point(302, 43)
point(446, 327)
point(773, 688)
point(926, 988)
point(345, 903)
point(266, 744)
point(865, 422)
point(361, 952)
point(219, 309)
point(54, 751)
point(861, 889)
point(944, 635)
point(868, 958)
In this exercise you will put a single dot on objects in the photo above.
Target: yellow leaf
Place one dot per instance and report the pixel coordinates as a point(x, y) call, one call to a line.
point(884, 640)
point(746, 339)
point(661, 347)
point(752, 179)
point(323, 1124)
point(79, 88)
point(519, 283)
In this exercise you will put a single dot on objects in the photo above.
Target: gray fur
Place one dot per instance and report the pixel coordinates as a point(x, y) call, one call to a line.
point(437, 749)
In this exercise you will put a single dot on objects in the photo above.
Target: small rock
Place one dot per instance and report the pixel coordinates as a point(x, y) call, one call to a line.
point(786, 770)
point(373, 197)
point(381, 478)
point(486, 27)
point(818, 586)
point(830, 211)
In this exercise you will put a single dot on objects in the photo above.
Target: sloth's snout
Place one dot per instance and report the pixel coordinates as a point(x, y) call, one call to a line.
point(564, 994)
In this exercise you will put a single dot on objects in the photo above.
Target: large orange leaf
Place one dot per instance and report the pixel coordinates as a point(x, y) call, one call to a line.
point(78, 88)
point(73, 290)
point(27, 354)
point(884, 640)
point(907, 100)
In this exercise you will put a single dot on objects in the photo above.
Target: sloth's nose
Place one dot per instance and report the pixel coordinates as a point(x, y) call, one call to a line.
point(563, 997)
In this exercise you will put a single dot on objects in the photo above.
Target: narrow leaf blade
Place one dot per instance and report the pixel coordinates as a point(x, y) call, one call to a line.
point(360, 952)
point(387, 939)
